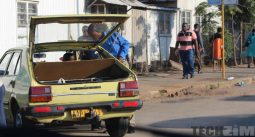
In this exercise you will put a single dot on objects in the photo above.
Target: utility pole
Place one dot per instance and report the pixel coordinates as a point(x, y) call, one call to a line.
point(222, 35)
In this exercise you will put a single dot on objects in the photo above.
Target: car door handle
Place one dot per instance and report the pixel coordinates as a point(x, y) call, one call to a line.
point(12, 83)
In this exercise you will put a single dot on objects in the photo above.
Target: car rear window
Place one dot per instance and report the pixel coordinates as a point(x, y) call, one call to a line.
point(57, 32)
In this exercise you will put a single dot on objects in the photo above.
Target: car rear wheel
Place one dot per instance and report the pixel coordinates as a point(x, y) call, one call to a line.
point(19, 120)
point(117, 127)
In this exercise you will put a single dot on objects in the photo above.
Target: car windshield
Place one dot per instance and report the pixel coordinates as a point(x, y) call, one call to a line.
point(73, 32)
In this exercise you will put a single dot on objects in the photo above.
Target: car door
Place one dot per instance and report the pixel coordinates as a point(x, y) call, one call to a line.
point(9, 78)
point(3, 72)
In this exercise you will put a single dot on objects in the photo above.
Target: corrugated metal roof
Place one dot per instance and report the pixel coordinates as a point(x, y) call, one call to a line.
point(162, 8)
point(133, 3)
point(116, 2)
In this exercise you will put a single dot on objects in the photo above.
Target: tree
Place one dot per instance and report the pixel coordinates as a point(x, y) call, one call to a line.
point(209, 25)
point(208, 22)
point(248, 11)
point(243, 12)
point(230, 12)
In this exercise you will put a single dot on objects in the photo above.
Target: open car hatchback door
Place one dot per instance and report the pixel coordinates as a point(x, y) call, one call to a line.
point(46, 31)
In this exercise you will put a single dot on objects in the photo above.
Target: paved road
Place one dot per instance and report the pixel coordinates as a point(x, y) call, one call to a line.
point(179, 115)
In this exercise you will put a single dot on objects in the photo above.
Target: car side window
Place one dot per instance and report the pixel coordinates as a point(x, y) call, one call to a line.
point(13, 63)
point(4, 64)
point(18, 67)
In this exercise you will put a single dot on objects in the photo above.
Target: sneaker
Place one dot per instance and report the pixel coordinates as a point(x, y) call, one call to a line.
point(199, 71)
point(185, 77)
point(191, 76)
point(131, 130)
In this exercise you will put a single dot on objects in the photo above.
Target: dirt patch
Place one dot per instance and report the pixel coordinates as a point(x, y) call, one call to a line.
point(191, 94)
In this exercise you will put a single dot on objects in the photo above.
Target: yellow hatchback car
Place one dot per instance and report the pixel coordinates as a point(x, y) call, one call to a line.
point(42, 87)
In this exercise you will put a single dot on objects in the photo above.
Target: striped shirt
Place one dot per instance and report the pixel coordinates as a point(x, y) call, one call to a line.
point(186, 40)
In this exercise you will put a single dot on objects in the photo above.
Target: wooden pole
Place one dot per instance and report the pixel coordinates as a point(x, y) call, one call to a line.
point(223, 50)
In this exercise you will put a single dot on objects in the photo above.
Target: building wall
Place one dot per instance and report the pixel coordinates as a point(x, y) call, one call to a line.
point(57, 32)
point(174, 21)
point(128, 26)
point(127, 32)
point(153, 36)
point(189, 5)
point(159, 45)
point(8, 25)
point(139, 39)
point(60, 7)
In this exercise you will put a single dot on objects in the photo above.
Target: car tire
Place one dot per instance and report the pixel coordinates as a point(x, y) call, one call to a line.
point(117, 127)
point(18, 120)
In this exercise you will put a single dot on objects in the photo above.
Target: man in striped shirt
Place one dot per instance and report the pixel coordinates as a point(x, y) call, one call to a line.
point(185, 42)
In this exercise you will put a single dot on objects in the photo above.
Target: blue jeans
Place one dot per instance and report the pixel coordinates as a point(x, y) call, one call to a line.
point(2, 114)
point(187, 58)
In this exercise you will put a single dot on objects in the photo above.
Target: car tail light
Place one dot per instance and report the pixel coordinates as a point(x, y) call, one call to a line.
point(116, 104)
point(42, 109)
point(60, 108)
point(128, 89)
point(131, 104)
point(40, 94)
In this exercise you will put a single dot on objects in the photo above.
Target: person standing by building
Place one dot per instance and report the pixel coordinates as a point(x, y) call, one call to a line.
point(201, 49)
point(2, 114)
point(216, 46)
point(250, 45)
point(185, 47)
point(86, 55)
point(85, 36)
point(217, 35)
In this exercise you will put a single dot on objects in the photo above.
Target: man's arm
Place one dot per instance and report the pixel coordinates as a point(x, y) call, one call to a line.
point(124, 47)
point(176, 51)
point(194, 41)
point(196, 45)
point(201, 42)
point(176, 45)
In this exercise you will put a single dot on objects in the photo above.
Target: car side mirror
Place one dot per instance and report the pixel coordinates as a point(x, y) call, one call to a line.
point(39, 55)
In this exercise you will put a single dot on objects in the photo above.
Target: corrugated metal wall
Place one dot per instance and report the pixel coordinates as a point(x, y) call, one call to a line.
point(153, 39)
point(139, 35)
point(55, 32)
point(169, 40)
point(56, 7)
point(8, 24)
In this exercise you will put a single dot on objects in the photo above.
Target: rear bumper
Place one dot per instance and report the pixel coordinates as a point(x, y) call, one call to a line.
point(59, 110)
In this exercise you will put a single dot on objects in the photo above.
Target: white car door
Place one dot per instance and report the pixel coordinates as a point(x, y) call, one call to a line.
point(9, 77)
